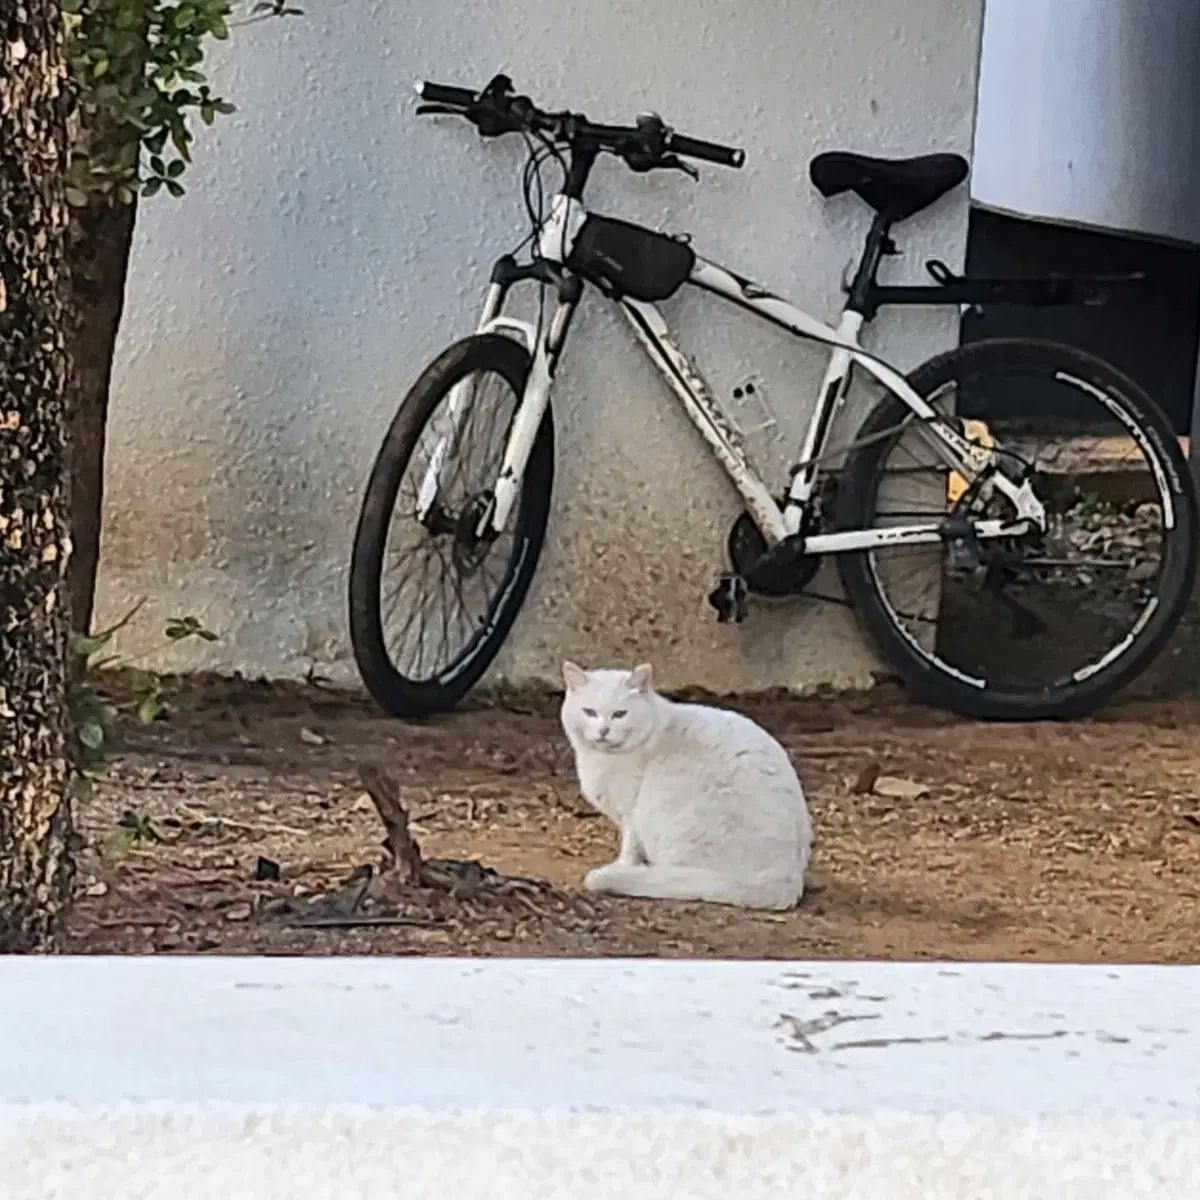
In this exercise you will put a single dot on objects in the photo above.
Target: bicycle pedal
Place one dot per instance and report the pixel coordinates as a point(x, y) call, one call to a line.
point(729, 598)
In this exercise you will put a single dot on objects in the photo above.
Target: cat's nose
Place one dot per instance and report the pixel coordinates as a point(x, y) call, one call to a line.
point(603, 732)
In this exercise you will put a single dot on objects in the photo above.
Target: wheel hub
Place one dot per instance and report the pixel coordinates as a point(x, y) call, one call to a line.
point(470, 549)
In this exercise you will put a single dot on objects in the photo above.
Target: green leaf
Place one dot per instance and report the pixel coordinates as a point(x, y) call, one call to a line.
point(151, 186)
point(84, 645)
point(176, 189)
point(181, 627)
point(141, 681)
point(179, 139)
point(137, 827)
point(176, 168)
point(92, 735)
point(75, 198)
point(101, 68)
point(208, 114)
point(149, 708)
point(157, 165)
point(219, 30)
point(225, 108)
point(156, 141)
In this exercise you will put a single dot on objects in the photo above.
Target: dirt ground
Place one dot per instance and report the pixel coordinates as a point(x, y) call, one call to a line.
point(934, 837)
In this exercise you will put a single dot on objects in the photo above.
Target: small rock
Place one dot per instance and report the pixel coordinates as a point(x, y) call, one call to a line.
point(310, 737)
point(239, 912)
point(265, 869)
point(503, 935)
point(97, 888)
point(898, 789)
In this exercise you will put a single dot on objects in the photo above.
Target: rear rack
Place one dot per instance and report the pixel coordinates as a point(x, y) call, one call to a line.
point(1031, 292)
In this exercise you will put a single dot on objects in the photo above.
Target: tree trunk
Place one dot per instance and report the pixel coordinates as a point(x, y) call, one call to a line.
point(35, 772)
point(98, 247)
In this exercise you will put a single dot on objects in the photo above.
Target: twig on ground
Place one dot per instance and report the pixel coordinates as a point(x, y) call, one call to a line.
point(405, 873)
point(364, 922)
point(196, 814)
point(401, 852)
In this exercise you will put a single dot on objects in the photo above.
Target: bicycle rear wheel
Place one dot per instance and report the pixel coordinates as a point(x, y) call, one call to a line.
point(1042, 626)
point(431, 661)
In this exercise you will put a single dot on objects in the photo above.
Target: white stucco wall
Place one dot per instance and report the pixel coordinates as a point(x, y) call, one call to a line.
point(330, 245)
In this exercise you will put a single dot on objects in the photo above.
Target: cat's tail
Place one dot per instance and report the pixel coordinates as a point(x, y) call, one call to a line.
point(661, 882)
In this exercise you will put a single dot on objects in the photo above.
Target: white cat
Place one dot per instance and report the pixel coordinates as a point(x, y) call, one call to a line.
point(708, 803)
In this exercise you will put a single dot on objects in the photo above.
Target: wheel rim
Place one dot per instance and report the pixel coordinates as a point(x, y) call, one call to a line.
point(1044, 614)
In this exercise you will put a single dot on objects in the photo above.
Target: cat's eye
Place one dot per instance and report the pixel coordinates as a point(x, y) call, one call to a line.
point(619, 713)
point(589, 712)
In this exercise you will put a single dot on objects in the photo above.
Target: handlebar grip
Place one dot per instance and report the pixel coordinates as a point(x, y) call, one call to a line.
point(723, 156)
point(441, 93)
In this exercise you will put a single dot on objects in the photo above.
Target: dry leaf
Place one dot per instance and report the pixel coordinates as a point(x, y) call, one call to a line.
point(239, 912)
point(310, 737)
point(897, 788)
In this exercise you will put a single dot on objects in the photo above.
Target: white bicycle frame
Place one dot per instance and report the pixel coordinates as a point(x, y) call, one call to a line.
point(707, 415)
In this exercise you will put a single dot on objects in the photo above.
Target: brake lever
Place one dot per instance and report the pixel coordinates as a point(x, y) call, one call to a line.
point(674, 162)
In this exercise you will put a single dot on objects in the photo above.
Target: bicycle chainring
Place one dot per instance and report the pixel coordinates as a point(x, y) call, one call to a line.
point(746, 545)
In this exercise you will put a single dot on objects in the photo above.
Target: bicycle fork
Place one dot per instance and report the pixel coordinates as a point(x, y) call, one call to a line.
point(459, 404)
point(544, 346)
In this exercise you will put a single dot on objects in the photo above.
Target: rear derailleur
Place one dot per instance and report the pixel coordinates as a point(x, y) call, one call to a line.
point(990, 567)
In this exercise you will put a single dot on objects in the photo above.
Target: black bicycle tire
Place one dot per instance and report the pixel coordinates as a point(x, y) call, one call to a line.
point(854, 510)
point(391, 690)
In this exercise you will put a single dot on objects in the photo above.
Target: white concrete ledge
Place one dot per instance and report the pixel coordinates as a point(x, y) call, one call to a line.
point(617, 1079)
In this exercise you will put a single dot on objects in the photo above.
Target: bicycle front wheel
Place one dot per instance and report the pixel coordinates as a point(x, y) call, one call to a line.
point(431, 602)
point(1040, 626)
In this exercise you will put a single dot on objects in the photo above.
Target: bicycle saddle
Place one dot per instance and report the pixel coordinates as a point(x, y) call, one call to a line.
point(900, 186)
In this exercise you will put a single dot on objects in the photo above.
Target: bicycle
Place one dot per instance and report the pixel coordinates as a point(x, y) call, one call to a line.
point(1000, 521)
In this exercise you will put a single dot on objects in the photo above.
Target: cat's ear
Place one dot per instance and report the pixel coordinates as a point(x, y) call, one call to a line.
point(641, 678)
point(574, 676)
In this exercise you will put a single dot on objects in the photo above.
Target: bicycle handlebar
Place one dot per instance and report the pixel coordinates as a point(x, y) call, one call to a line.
point(649, 144)
point(438, 93)
point(714, 152)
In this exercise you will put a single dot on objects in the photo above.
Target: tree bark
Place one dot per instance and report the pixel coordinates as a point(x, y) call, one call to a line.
point(35, 771)
point(98, 246)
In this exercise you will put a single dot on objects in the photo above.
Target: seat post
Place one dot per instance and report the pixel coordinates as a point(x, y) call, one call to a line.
point(877, 245)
